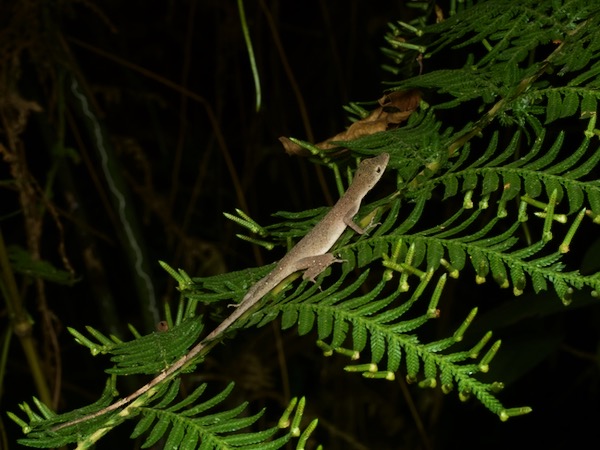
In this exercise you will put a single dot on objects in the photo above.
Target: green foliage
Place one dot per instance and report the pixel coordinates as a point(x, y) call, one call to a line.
point(513, 193)
point(147, 354)
point(184, 424)
point(187, 426)
point(22, 262)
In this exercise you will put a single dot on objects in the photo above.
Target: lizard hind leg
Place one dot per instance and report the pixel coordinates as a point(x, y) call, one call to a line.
point(317, 264)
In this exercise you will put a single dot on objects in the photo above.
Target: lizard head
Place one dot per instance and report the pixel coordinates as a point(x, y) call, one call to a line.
point(370, 171)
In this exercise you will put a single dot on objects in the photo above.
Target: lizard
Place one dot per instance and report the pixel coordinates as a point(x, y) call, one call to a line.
point(310, 254)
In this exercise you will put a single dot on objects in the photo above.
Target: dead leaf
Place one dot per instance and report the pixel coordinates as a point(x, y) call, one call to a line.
point(395, 108)
point(291, 148)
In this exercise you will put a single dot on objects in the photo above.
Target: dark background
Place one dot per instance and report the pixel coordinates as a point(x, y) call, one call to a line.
point(171, 84)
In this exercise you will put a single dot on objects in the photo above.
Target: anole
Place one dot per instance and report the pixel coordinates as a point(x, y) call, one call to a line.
point(310, 254)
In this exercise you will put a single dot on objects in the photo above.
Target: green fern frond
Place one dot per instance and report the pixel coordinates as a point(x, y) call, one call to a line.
point(187, 424)
point(494, 248)
point(22, 262)
point(509, 33)
point(154, 352)
point(146, 354)
point(40, 430)
point(490, 254)
point(532, 174)
point(369, 320)
point(223, 287)
point(184, 425)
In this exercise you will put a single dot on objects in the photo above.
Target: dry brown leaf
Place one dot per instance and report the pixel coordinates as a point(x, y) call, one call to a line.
point(291, 148)
point(395, 108)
